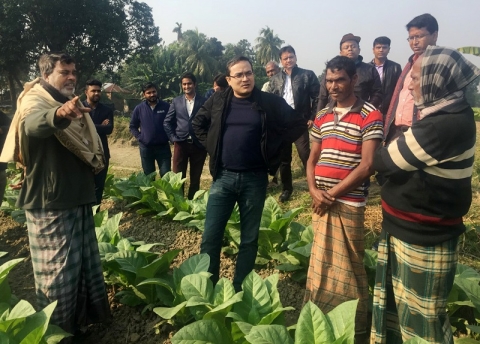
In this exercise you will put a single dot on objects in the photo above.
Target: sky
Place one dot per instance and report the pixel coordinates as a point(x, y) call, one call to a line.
point(314, 27)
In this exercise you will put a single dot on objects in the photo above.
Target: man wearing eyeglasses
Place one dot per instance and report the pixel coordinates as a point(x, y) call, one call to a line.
point(242, 129)
point(299, 87)
point(402, 113)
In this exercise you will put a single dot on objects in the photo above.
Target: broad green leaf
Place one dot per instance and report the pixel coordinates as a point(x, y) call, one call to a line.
point(239, 330)
point(158, 281)
point(301, 249)
point(106, 247)
point(21, 310)
point(192, 265)
point(198, 301)
point(223, 291)
point(288, 267)
point(464, 271)
point(271, 211)
point(269, 239)
point(471, 288)
point(313, 326)
point(233, 235)
point(256, 298)
point(271, 284)
point(6, 267)
point(100, 218)
point(195, 285)
point(55, 334)
point(270, 318)
point(147, 247)
point(3, 254)
point(124, 245)
point(36, 325)
point(308, 234)
point(203, 331)
point(269, 334)
point(223, 309)
point(158, 266)
point(169, 312)
point(342, 319)
point(182, 216)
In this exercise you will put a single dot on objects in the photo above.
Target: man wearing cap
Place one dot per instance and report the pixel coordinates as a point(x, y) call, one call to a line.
point(368, 87)
point(428, 172)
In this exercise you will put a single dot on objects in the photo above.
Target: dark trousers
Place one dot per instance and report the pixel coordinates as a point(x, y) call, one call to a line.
point(183, 152)
point(161, 154)
point(248, 189)
point(100, 182)
point(303, 149)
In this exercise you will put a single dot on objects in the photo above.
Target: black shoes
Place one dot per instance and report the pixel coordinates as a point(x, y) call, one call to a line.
point(285, 196)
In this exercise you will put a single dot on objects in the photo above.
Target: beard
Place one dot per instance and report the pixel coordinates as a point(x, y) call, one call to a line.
point(67, 92)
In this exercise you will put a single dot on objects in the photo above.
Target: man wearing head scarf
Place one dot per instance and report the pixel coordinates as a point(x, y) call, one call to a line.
point(428, 171)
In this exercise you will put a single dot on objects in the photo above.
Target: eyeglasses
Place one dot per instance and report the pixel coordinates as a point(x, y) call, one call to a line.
point(241, 75)
point(417, 38)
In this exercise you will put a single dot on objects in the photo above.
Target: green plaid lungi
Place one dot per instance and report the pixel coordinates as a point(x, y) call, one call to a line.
point(66, 266)
point(411, 290)
point(336, 273)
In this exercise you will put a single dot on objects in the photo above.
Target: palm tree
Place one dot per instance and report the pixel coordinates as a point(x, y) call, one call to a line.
point(178, 30)
point(198, 53)
point(268, 46)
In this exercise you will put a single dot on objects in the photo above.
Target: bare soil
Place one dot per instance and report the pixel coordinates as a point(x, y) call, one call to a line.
point(129, 324)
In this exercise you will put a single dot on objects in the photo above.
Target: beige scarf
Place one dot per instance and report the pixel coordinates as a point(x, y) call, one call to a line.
point(80, 137)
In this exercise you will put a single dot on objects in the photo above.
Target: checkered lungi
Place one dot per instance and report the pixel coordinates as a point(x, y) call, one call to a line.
point(66, 265)
point(411, 290)
point(337, 273)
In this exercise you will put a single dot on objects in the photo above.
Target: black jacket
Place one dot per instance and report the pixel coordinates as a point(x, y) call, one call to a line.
point(279, 123)
point(368, 87)
point(305, 88)
point(98, 115)
point(391, 73)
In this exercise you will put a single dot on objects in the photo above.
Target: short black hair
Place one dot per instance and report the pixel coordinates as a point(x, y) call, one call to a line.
point(92, 82)
point(190, 76)
point(342, 63)
point(382, 40)
point(220, 80)
point(426, 21)
point(286, 49)
point(148, 85)
point(236, 60)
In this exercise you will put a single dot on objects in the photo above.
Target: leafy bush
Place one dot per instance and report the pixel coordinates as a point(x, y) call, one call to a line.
point(19, 323)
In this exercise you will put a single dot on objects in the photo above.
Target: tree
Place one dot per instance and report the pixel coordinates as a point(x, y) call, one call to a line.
point(15, 43)
point(268, 46)
point(178, 30)
point(200, 54)
point(470, 50)
point(100, 34)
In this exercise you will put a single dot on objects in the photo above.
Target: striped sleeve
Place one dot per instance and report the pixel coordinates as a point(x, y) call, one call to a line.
point(372, 127)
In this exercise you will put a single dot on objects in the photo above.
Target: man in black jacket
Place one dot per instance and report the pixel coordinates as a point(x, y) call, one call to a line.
point(368, 87)
point(299, 87)
point(102, 117)
point(388, 70)
point(242, 129)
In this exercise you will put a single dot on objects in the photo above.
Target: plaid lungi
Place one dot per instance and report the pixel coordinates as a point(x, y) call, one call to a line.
point(336, 273)
point(411, 290)
point(66, 265)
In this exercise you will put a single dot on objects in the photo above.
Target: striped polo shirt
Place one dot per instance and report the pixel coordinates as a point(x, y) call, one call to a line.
point(341, 141)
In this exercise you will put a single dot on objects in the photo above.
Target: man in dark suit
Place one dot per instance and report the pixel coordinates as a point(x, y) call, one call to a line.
point(178, 126)
point(102, 117)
